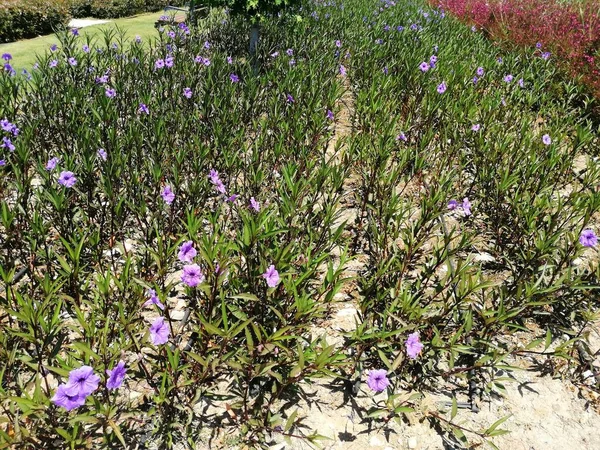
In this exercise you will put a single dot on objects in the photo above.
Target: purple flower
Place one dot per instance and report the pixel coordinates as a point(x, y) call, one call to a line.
point(187, 252)
point(110, 92)
point(342, 70)
point(432, 60)
point(192, 275)
point(153, 299)
point(187, 92)
point(442, 88)
point(401, 137)
point(292, 62)
point(330, 114)
point(476, 127)
point(546, 56)
point(2, 162)
point(74, 31)
point(338, 43)
point(466, 206)
point(6, 56)
point(229, 60)
point(206, 45)
point(143, 109)
point(52, 162)
point(103, 79)
point(7, 143)
point(538, 45)
point(480, 71)
point(385, 70)
point(85, 48)
point(274, 54)
point(546, 139)
point(116, 376)
point(169, 61)
point(377, 380)
point(53, 47)
point(220, 187)
point(67, 179)
point(232, 198)
point(272, 276)
point(424, 66)
point(254, 204)
point(159, 64)
point(6, 125)
point(234, 78)
point(588, 238)
point(452, 205)
point(413, 345)
point(72, 61)
point(289, 98)
point(53, 63)
point(167, 195)
point(475, 80)
point(68, 398)
point(171, 34)
point(508, 78)
point(159, 331)
point(521, 83)
point(289, 52)
point(214, 176)
point(84, 380)
point(138, 39)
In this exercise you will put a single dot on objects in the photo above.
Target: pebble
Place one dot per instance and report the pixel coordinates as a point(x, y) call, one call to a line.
point(412, 442)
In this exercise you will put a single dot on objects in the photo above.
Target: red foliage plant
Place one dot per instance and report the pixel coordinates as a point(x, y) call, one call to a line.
point(570, 31)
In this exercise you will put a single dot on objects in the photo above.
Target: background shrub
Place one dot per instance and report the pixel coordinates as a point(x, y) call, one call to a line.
point(29, 18)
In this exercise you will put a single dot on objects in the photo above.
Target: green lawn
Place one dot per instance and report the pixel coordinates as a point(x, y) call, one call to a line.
point(24, 52)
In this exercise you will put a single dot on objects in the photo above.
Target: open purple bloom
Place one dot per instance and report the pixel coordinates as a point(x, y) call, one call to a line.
point(52, 162)
point(6, 125)
point(169, 61)
point(2, 162)
point(234, 78)
point(110, 92)
point(338, 43)
point(85, 48)
point(413, 345)
point(116, 376)
point(7, 143)
point(53, 47)
point(6, 56)
point(143, 109)
point(480, 71)
point(289, 98)
point(167, 195)
point(72, 61)
point(289, 52)
point(187, 92)
point(84, 380)
point(329, 114)
point(53, 63)
point(508, 78)
point(153, 299)
point(546, 56)
point(442, 87)
point(272, 276)
point(254, 204)
point(546, 139)
point(159, 64)
point(452, 205)
point(192, 275)
point(68, 398)
point(476, 127)
point(377, 380)
point(466, 206)
point(187, 252)
point(424, 66)
point(67, 179)
point(229, 60)
point(102, 154)
point(159, 331)
point(74, 31)
point(232, 198)
point(401, 137)
point(588, 238)
point(342, 70)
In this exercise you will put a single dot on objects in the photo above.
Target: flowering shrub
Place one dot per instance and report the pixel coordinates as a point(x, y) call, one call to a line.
point(178, 225)
point(569, 31)
point(30, 18)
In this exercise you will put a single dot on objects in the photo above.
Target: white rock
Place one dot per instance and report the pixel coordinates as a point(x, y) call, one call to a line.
point(484, 257)
point(375, 442)
point(412, 442)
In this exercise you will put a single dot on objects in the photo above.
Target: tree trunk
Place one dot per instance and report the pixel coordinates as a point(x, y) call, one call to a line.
point(254, 36)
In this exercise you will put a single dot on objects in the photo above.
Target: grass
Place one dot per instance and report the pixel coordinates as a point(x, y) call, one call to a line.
point(25, 52)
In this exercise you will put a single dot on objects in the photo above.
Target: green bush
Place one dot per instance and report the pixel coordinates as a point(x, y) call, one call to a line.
point(29, 18)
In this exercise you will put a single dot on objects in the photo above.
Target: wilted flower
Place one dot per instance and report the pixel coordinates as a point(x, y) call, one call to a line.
point(2, 162)
point(192, 275)
point(67, 179)
point(53, 47)
point(588, 238)
point(159, 331)
point(452, 205)
point(413, 345)
point(167, 195)
point(546, 139)
point(7, 143)
point(143, 109)
point(330, 114)
point(234, 78)
point(342, 71)
point(254, 204)
point(102, 154)
point(52, 162)
point(401, 137)
point(232, 198)
point(187, 252)
point(74, 31)
point(466, 206)
point(206, 45)
point(116, 376)
point(153, 299)
point(546, 55)
point(274, 54)
point(272, 276)
point(377, 380)
point(289, 98)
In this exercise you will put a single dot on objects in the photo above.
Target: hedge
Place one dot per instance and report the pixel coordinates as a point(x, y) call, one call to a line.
point(104, 9)
point(29, 18)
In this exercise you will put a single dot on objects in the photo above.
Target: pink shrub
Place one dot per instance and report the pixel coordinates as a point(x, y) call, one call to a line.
point(570, 32)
